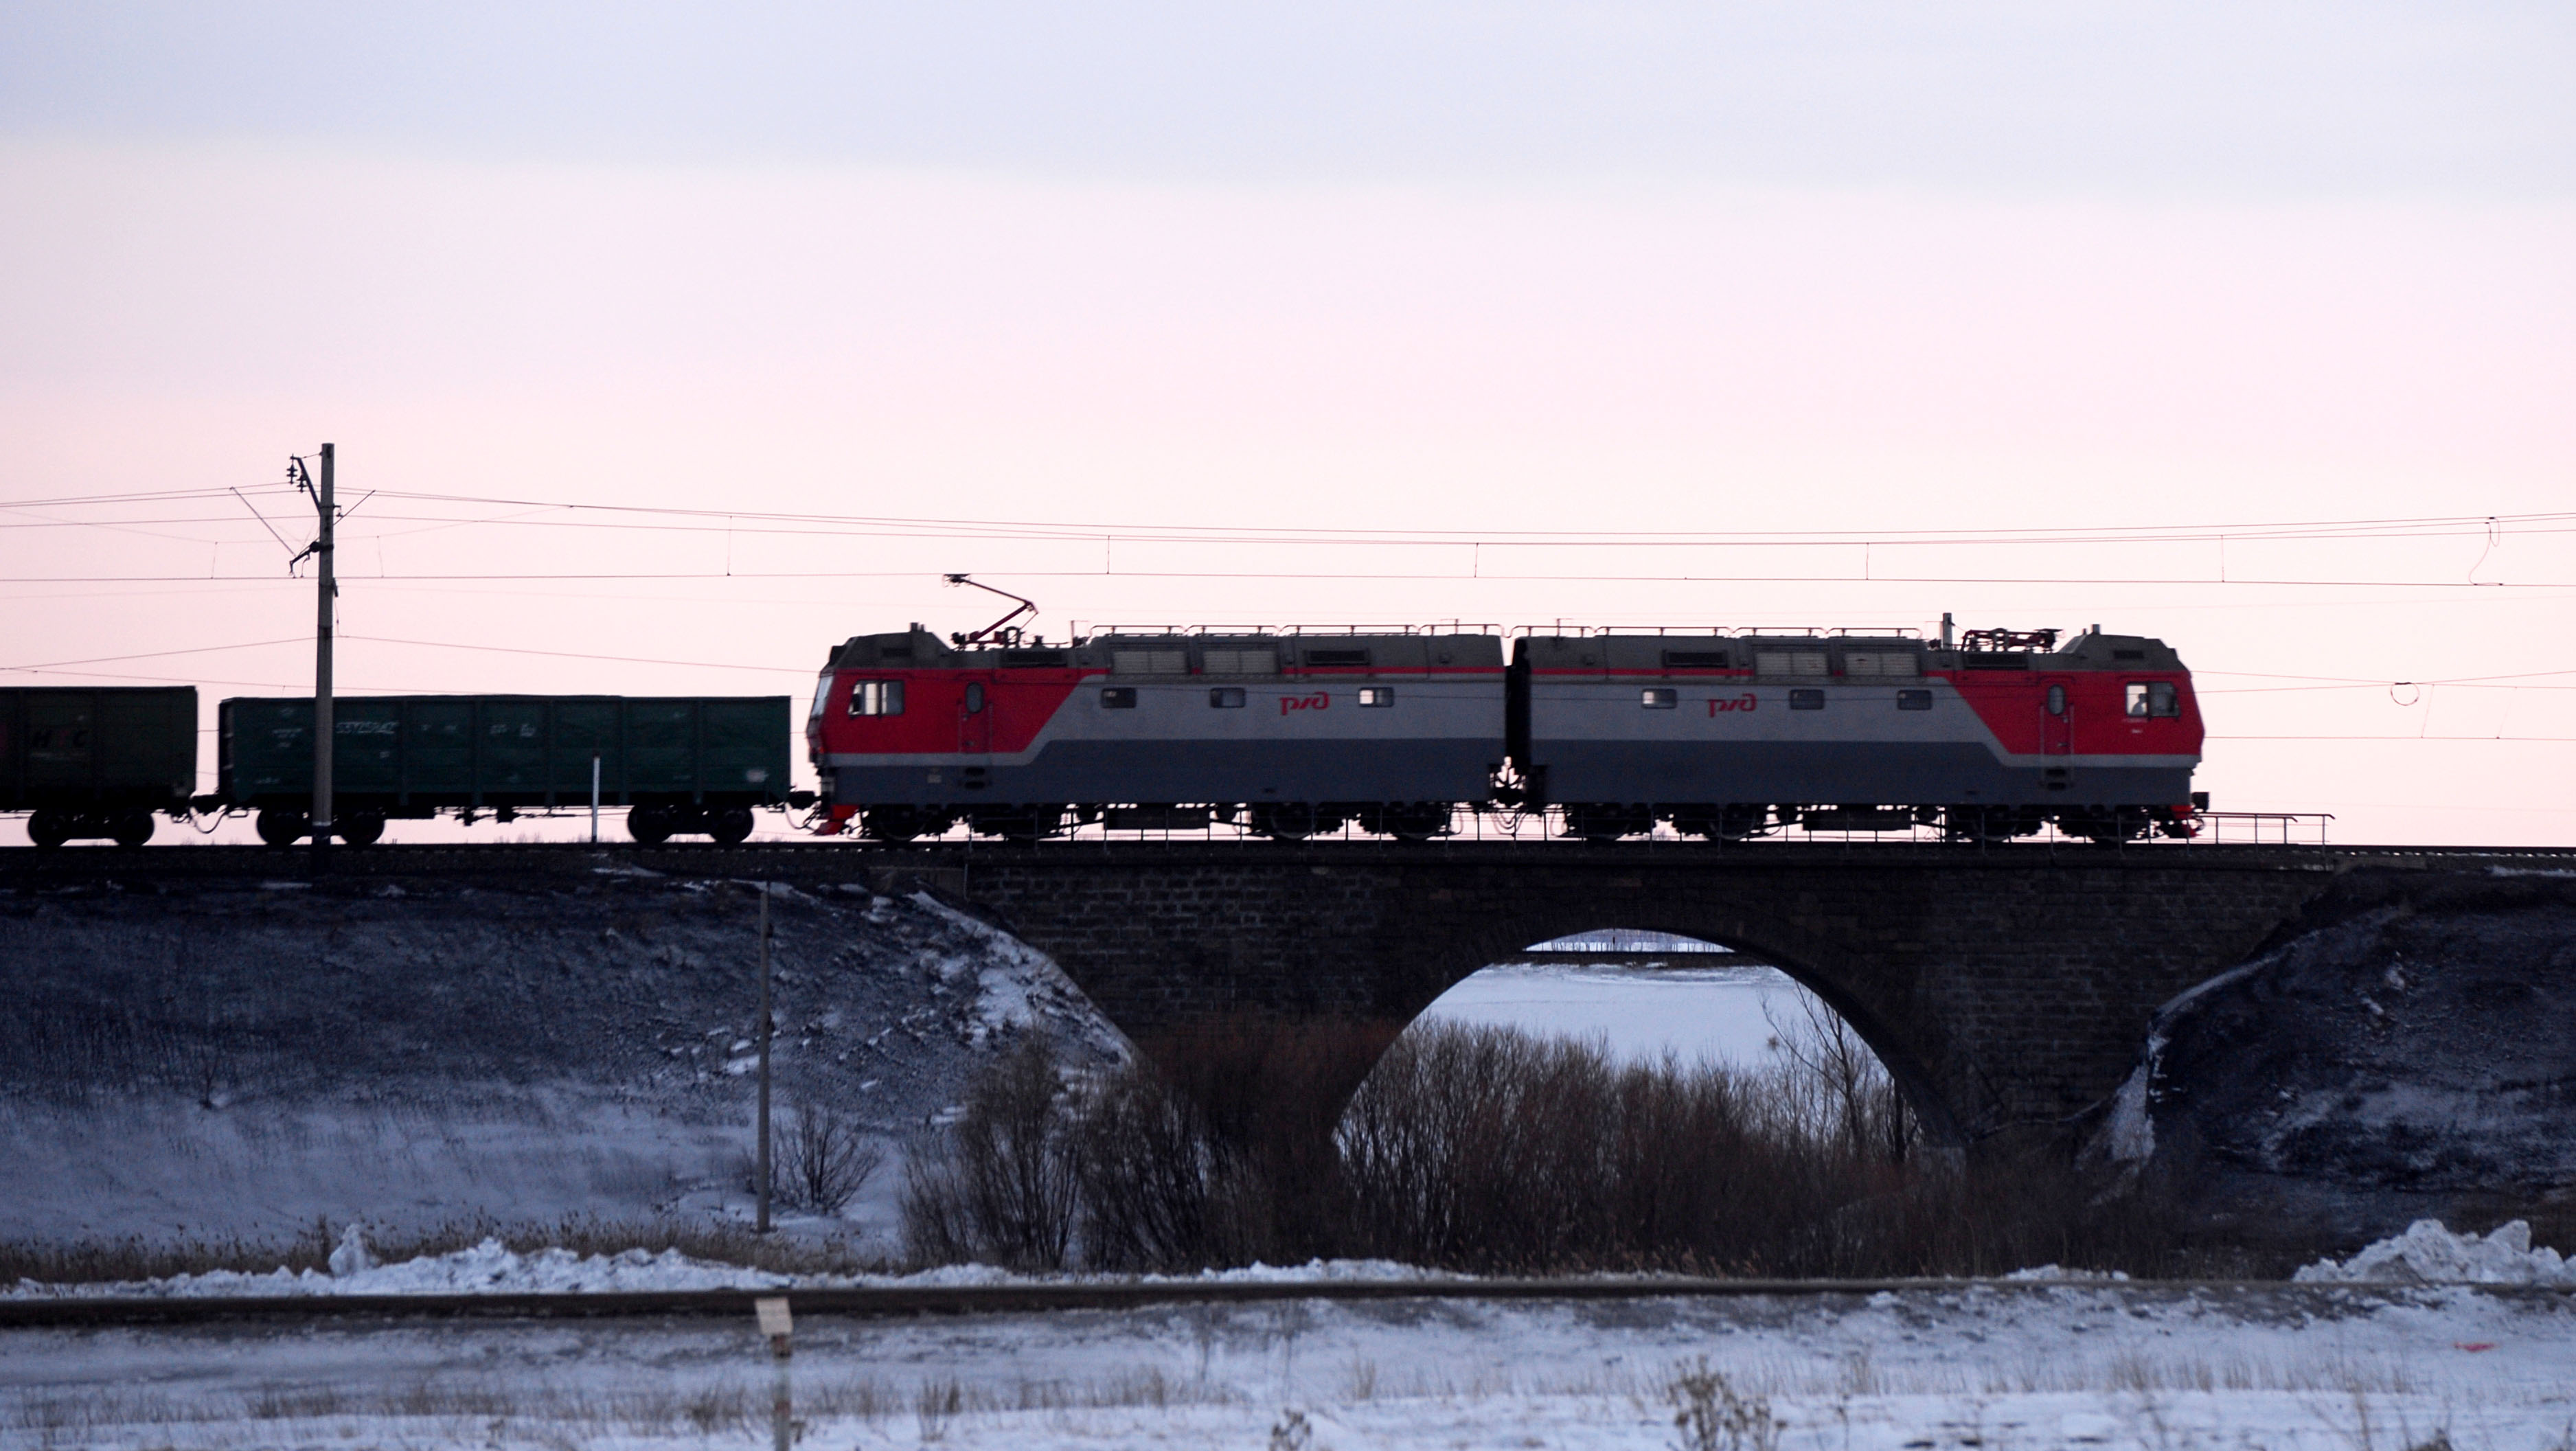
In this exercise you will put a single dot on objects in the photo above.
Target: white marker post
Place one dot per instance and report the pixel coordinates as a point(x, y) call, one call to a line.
point(774, 1323)
point(594, 798)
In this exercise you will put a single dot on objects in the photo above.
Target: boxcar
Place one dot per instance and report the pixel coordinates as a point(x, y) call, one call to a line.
point(679, 764)
point(97, 762)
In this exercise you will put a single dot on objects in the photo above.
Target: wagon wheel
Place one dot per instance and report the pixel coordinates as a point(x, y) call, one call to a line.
point(283, 826)
point(730, 826)
point(360, 828)
point(49, 827)
point(650, 825)
point(130, 827)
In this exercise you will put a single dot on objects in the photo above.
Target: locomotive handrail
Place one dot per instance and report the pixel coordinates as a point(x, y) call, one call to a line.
point(1731, 632)
point(1083, 633)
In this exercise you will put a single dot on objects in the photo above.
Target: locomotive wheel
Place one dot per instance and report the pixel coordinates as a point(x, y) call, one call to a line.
point(730, 826)
point(1988, 823)
point(283, 826)
point(1032, 823)
point(2103, 826)
point(892, 823)
point(1723, 823)
point(649, 825)
point(1284, 821)
point(360, 828)
point(130, 827)
point(1605, 823)
point(1419, 821)
point(49, 827)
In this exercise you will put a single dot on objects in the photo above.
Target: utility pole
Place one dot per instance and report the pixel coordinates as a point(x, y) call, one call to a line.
point(318, 484)
point(763, 1171)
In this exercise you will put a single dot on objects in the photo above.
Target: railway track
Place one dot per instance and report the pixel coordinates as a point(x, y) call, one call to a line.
point(901, 1301)
point(794, 860)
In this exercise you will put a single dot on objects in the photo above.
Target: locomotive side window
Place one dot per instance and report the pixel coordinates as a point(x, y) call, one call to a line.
point(876, 697)
point(2136, 700)
point(974, 697)
point(1118, 697)
point(1656, 697)
point(2057, 700)
point(1377, 695)
point(1914, 700)
point(1806, 700)
point(1226, 697)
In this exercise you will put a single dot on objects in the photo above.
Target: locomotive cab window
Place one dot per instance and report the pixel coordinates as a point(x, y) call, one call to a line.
point(1377, 695)
point(876, 697)
point(2153, 698)
point(1656, 697)
point(1118, 697)
point(1806, 700)
point(1226, 697)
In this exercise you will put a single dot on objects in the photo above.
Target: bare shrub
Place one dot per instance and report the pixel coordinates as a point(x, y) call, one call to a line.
point(1158, 1189)
point(1002, 1188)
point(825, 1158)
point(1495, 1151)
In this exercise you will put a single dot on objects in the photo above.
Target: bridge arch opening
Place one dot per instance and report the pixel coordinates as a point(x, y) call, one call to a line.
point(1831, 999)
point(1649, 997)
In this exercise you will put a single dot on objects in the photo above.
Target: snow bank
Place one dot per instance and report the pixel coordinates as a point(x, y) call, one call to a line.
point(489, 1268)
point(2059, 1272)
point(2429, 1252)
point(492, 1268)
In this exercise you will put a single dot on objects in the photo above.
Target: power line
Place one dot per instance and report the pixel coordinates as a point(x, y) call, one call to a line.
point(1355, 577)
point(156, 654)
point(799, 670)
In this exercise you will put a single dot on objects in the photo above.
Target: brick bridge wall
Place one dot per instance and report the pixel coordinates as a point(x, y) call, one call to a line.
point(2005, 991)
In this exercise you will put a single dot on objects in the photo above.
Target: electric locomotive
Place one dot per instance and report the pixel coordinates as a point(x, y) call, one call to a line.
point(1993, 735)
point(1290, 733)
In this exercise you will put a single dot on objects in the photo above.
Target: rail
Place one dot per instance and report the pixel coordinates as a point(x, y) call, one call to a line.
point(880, 1301)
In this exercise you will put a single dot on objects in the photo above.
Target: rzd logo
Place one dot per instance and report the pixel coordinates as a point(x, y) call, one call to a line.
point(1747, 701)
point(1317, 701)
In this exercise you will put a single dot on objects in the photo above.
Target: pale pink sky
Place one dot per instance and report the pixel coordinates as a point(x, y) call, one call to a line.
point(1619, 351)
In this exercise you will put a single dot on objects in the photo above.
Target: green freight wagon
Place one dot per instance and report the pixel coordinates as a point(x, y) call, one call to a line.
point(678, 764)
point(97, 763)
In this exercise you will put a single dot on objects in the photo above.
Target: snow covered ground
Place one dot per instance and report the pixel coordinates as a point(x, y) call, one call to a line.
point(2038, 1363)
point(2061, 1365)
point(1689, 1011)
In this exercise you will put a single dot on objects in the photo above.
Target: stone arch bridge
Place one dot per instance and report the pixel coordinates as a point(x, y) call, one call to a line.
point(2007, 990)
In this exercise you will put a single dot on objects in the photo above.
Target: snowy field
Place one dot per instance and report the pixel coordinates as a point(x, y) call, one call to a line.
point(1641, 1013)
point(2345, 1360)
point(2051, 1366)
